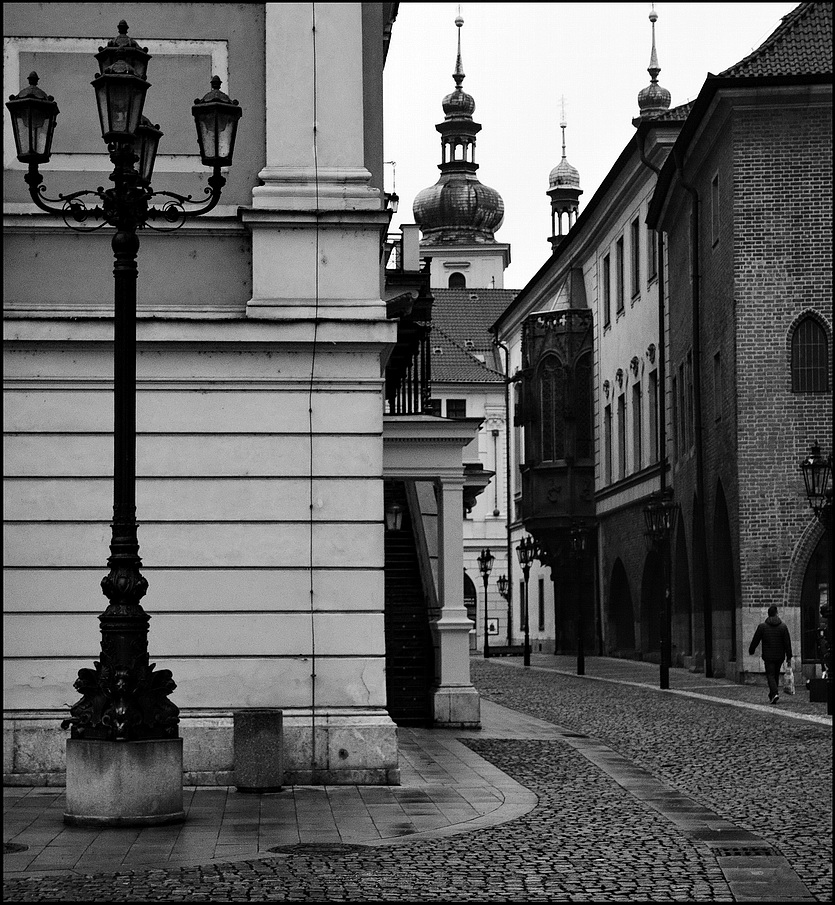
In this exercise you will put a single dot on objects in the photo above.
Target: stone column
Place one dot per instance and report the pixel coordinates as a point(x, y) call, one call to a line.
point(454, 700)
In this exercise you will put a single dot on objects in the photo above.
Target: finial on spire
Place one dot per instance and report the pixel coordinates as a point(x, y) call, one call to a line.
point(653, 68)
point(563, 124)
point(458, 75)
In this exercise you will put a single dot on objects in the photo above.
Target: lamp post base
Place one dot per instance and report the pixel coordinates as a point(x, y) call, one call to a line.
point(124, 783)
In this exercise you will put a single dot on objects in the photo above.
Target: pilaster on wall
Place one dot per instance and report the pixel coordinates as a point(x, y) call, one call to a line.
point(316, 221)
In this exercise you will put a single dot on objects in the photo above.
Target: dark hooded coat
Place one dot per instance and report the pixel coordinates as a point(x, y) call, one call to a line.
point(774, 635)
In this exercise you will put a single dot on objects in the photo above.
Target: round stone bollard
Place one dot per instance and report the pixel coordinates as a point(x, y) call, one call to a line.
point(257, 739)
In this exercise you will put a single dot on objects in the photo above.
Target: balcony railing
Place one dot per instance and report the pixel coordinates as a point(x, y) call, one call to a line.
point(408, 373)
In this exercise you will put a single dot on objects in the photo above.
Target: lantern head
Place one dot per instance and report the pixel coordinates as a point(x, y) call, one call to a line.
point(33, 113)
point(216, 118)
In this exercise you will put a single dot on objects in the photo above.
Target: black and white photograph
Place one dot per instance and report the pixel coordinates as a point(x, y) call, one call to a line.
point(417, 452)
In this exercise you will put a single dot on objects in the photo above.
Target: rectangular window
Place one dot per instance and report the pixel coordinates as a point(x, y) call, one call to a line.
point(637, 418)
point(607, 444)
point(717, 386)
point(682, 411)
point(456, 408)
point(607, 291)
point(518, 432)
point(653, 416)
point(541, 603)
point(619, 289)
point(714, 209)
point(636, 257)
point(622, 435)
point(652, 255)
point(435, 407)
point(691, 423)
point(676, 441)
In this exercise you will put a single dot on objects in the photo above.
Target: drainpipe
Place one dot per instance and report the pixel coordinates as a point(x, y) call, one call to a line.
point(507, 382)
point(701, 545)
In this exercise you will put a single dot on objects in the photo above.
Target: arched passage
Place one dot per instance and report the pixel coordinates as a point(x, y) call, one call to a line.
point(682, 601)
point(621, 613)
point(724, 619)
point(652, 603)
point(815, 582)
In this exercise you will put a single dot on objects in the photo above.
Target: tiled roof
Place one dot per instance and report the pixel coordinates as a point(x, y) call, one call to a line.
point(460, 336)
point(800, 45)
point(674, 114)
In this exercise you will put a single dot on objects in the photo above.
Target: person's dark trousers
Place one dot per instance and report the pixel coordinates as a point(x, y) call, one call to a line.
point(772, 673)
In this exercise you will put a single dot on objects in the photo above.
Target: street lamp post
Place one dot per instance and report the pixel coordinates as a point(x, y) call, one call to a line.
point(124, 698)
point(485, 564)
point(579, 542)
point(817, 477)
point(527, 551)
point(660, 515)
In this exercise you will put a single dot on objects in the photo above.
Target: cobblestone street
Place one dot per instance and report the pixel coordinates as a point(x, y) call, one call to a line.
point(616, 793)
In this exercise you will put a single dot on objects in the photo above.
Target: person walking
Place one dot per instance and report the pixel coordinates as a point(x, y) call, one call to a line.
point(777, 646)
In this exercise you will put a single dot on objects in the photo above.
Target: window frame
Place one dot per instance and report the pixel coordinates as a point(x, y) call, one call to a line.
point(807, 378)
point(620, 293)
point(607, 290)
point(636, 258)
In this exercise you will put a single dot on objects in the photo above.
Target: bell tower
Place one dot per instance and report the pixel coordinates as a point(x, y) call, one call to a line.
point(564, 191)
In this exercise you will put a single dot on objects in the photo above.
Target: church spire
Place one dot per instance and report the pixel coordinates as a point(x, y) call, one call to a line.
point(564, 191)
point(653, 99)
point(458, 75)
point(458, 207)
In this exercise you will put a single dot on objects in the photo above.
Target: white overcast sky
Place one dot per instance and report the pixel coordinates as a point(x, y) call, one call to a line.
point(520, 59)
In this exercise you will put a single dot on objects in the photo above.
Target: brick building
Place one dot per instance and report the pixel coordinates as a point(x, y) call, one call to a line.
point(745, 203)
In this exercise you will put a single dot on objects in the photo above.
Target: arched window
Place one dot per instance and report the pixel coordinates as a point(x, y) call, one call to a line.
point(552, 409)
point(457, 281)
point(810, 357)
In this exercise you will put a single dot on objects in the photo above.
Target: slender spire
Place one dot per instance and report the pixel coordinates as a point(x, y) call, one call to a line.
point(563, 124)
point(458, 75)
point(653, 68)
point(653, 99)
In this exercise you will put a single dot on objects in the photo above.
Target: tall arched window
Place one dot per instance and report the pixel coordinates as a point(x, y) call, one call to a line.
point(552, 409)
point(810, 357)
point(457, 281)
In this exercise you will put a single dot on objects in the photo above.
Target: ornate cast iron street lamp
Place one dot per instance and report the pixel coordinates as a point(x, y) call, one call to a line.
point(124, 698)
point(527, 552)
point(661, 515)
point(817, 476)
point(485, 564)
point(579, 545)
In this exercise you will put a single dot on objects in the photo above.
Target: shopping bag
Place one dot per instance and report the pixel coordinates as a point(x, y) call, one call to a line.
point(788, 679)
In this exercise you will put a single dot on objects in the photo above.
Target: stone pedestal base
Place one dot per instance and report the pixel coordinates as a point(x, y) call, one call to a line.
point(124, 783)
point(458, 708)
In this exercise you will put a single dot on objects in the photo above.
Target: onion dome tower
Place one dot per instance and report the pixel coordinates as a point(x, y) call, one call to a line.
point(458, 208)
point(564, 191)
point(653, 99)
